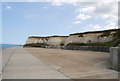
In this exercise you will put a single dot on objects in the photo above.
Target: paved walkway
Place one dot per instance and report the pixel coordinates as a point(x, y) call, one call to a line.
point(19, 64)
point(76, 64)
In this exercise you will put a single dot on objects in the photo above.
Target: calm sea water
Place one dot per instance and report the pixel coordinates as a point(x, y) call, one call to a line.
point(3, 46)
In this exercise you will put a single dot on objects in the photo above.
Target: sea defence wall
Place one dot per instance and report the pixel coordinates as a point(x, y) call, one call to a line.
point(114, 59)
point(86, 37)
point(88, 48)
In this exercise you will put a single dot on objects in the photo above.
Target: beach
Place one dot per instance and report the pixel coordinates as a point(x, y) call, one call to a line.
point(76, 64)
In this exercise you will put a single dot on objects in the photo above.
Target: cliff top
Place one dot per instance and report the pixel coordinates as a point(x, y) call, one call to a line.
point(47, 36)
point(93, 32)
point(89, 32)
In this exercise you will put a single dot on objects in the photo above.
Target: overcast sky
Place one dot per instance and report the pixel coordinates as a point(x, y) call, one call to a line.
point(23, 19)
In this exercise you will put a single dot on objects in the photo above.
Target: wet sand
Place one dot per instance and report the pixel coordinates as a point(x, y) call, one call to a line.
point(76, 64)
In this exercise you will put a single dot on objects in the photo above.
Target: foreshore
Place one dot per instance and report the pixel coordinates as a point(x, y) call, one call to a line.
point(43, 63)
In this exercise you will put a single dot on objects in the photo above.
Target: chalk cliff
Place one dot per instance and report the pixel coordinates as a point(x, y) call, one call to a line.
point(86, 37)
point(51, 40)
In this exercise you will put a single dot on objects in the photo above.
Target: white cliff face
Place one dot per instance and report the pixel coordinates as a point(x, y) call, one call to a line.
point(75, 38)
point(56, 40)
point(105, 39)
point(87, 39)
point(35, 40)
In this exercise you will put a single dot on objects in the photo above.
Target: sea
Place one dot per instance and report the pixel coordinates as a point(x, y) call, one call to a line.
point(3, 46)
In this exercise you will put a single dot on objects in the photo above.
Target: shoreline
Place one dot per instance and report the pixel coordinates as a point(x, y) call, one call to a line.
point(4, 46)
point(10, 47)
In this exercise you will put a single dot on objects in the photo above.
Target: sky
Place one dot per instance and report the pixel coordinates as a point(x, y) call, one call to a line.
point(23, 19)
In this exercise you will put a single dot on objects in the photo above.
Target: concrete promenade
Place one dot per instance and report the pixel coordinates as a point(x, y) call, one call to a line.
point(19, 64)
point(76, 64)
point(42, 63)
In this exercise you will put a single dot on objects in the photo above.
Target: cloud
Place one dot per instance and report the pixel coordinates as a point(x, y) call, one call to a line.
point(111, 26)
point(60, 1)
point(96, 26)
point(57, 3)
point(76, 22)
point(45, 7)
point(32, 0)
point(31, 15)
point(83, 17)
point(108, 26)
point(107, 11)
point(87, 9)
point(8, 7)
point(69, 26)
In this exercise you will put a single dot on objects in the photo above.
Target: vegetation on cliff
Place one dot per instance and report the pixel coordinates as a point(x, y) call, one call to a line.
point(107, 33)
point(110, 44)
point(36, 45)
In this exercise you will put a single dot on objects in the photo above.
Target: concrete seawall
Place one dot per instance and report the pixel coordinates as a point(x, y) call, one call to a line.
point(88, 48)
point(114, 59)
point(85, 48)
